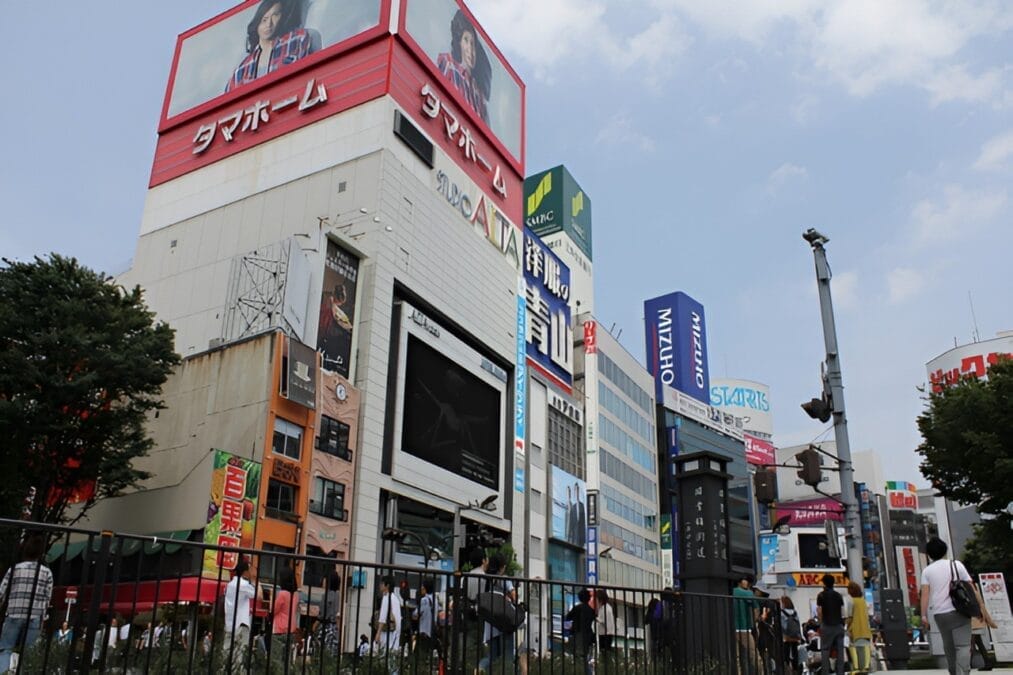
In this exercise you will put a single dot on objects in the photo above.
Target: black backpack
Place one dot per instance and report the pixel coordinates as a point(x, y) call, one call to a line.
point(792, 627)
point(496, 608)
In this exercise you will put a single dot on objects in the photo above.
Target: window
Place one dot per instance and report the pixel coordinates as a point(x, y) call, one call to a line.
point(287, 438)
point(328, 499)
point(565, 441)
point(333, 438)
point(269, 565)
point(316, 572)
point(281, 498)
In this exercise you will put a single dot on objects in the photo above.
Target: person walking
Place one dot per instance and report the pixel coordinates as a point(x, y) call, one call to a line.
point(27, 589)
point(425, 613)
point(239, 594)
point(605, 623)
point(791, 634)
point(500, 645)
point(954, 628)
point(744, 611)
point(581, 617)
point(859, 630)
point(285, 616)
point(388, 628)
point(830, 609)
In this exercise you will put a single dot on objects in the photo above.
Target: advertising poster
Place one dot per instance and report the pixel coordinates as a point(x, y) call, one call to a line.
point(996, 597)
point(232, 511)
point(337, 309)
point(810, 512)
point(548, 335)
point(449, 37)
point(569, 508)
point(758, 451)
point(265, 37)
point(768, 558)
point(521, 377)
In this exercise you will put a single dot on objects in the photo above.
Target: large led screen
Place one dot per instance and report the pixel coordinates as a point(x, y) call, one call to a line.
point(450, 39)
point(262, 38)
point(451, 417)
point(569, 508)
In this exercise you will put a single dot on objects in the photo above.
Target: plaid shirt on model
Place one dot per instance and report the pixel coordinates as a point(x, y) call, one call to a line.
point(287, 49)
point(29, 594)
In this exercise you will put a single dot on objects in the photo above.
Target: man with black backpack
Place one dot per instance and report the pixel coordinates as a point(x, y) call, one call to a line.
point(938, 580)
point(500, 643)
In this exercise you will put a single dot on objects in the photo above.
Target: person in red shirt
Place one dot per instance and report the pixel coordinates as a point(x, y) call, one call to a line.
point(284, 614)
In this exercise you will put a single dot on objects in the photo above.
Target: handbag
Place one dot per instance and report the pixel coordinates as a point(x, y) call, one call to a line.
point(965, 602)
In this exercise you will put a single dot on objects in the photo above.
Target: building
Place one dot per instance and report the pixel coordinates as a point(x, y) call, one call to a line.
point(359, 201)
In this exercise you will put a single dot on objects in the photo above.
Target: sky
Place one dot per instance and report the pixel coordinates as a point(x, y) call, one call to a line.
point(708, 136)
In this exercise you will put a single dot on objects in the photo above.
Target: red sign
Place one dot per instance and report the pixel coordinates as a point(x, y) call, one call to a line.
point(758, 451)
point(970, 366)
point(71, 593)
point(590, 337)
point(811, 511)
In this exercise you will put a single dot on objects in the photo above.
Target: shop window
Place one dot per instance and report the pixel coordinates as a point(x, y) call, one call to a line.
point(333, 438)
point(281, 499)
point(328, 499)
point(316, 572)
point(287, 439)
point(268, 566)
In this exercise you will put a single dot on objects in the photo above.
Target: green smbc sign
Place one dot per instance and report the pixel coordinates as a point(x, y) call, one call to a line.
point(554, 202)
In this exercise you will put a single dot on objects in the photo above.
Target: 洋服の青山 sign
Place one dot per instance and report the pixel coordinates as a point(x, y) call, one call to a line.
point(547, 293)
point(810, 511)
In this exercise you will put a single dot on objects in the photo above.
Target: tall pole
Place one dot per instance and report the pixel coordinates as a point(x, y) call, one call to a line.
point(834, 382)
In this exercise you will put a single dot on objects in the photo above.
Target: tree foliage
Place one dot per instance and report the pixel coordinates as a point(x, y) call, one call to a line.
point(967, 446)
point(990, 548)
point(82, 363)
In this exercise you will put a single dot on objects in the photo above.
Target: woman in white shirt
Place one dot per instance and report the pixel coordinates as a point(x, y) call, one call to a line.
point(605, 622)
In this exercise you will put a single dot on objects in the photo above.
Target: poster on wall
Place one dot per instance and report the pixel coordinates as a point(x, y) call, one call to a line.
point(337, 309)
point(449, 37)
point(569, 508)
point(232, 511)
point(258, 40)
point(768, 558)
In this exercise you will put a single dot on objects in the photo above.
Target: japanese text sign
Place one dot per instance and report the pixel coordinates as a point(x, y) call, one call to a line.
point(549, 334)
point(232, 510)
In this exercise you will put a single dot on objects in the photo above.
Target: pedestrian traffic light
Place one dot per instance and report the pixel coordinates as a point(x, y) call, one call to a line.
point(765, 486)
point(819, 408)
point(810, 470)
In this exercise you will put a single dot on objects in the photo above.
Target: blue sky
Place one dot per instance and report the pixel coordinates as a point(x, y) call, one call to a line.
point(708, 135)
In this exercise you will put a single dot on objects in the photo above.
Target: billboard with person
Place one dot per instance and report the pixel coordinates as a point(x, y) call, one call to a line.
point(257, 39)
point(569, 508)
point(472, 67)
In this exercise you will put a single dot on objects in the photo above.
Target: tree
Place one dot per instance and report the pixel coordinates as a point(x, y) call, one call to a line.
point(990, 549)
point(967, 446)
point(82, 363)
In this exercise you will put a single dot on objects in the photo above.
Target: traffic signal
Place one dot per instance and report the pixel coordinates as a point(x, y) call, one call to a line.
point(765, 486)
point(811, 472)
point(819, 408)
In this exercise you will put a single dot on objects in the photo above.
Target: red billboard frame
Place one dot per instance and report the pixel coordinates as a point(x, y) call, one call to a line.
point(462, 105)
point(381, 29)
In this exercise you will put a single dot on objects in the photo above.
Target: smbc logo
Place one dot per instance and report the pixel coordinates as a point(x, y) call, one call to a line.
point(536, 197)
point(577, 203)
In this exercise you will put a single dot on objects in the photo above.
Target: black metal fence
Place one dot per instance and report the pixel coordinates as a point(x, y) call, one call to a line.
point(124, 603)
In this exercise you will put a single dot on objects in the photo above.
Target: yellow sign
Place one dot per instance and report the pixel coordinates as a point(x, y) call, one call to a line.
point(577, 203)
point(536, 197)
point(816, 578)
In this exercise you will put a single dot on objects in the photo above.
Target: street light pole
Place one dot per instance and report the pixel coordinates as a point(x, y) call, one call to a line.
point(834, 383)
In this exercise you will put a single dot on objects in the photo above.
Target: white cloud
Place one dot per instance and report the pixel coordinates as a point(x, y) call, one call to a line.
point(785, 173)
point(954, 83)
point(958, 211)
point(844, 290)
point(749, 20)
point(620, 130)
point(995, 152)
point(903, 283)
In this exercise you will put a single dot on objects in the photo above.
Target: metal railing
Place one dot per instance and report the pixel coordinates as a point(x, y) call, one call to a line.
point(138, 604)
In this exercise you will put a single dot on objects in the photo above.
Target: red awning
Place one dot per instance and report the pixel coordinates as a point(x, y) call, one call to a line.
point(142, 596)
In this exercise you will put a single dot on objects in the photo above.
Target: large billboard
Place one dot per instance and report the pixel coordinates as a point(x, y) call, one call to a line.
point(232, 511)
point(811, 512)
point(569, 508)
point(257, 39)
point(555, 202)
point(745, 399)
point(473, 69)
point(971, 360)
point(676, 335)
point(337, 309)
point(548, 333)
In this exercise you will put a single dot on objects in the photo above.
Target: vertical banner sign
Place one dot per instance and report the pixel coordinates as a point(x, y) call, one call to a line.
point(590, 337)
point(768, 558)
point(337, 309)
point(994, 593)
point(668, 573)
point(299, 383)
point(520, 382)
point(592, 555)
point(548, 333)
point(232, 510)
point(672, 435)
point(676, 336)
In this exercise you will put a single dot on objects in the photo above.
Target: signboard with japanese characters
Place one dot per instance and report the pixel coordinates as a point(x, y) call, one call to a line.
point(232, 511)
point(971, 360)
point(993, 592)
point(547, 293)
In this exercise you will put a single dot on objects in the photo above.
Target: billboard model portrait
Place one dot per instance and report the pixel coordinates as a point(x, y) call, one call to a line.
point(337, 309)
point(256, 41)
point(452, 42)
point(569, 508)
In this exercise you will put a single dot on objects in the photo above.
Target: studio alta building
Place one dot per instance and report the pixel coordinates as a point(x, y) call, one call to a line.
point(333, 229)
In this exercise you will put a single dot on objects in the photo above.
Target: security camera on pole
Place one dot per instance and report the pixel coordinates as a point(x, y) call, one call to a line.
point(832, 403)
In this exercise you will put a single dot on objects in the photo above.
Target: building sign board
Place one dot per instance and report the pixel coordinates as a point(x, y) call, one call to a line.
point(554, 202)
point(520, 373)
point(758, 451)
point(482, 214)
point(676, 335)
point(300, 381)
point(232, 511)
point(337, 309)
point(548, 333)
point(971, 360)
point(810, 511)
point(744, 398)
point(996, 597)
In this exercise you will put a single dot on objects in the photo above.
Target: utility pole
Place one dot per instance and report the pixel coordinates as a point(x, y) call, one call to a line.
point(833, 384)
